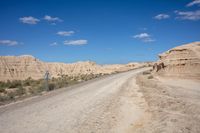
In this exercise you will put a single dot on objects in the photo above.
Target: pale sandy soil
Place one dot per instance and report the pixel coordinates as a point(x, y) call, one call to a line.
point(109, 105)
point(120, 103)
point(173, 105)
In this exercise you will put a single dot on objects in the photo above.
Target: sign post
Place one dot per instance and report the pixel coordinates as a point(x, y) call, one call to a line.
point(46, 78)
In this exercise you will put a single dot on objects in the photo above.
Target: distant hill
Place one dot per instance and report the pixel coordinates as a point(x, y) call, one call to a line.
point(25, 66)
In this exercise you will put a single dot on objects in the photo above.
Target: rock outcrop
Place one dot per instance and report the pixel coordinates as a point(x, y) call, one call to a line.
point(182, 61)
point(23, 67)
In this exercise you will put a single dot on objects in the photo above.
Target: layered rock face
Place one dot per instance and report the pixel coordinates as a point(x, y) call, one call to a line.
point(22, 67)
point(182, 61)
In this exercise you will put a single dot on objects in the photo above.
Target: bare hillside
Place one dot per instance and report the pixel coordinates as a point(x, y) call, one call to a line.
point(22, 67)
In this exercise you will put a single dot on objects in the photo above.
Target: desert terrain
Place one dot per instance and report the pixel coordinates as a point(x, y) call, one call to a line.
point(135, 97)
point(25, 66)
point(105, 105)
point(171, 91)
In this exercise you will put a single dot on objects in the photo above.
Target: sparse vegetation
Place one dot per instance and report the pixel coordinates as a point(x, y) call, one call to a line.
point(15, 84)
point(51, 86)
point(12, 90)
point(146, 72)
point(150, 77)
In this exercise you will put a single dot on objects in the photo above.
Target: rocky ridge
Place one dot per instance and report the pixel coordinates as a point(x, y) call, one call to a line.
point(182, 61)
point(23, 67)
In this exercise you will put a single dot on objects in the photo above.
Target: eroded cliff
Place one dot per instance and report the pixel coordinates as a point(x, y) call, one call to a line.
point(182, 61)
point(23, 67)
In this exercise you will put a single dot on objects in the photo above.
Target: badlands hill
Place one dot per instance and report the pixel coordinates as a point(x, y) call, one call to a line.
point(22, 67)
point(182, 61)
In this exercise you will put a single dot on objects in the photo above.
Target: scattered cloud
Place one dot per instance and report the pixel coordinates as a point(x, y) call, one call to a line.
point(54, 44)
point(194, 2)
point(29, 20)
point(75, 42)
point(145, 37)
point(8, 42)
point(161, 16)
point(188, 15)
point(142, 35)
point(65, 33)
point(52, 19)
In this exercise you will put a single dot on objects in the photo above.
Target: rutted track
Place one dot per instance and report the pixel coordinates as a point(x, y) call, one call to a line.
point(108, 104)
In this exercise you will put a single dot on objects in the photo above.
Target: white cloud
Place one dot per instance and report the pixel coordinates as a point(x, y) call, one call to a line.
point(8, 42)
point(161, 16)
point(142, 35)
point(29, 20)
point(145, 37)
point(195, 2)
point(65, 33)
point(52, 19)
point(54, 44)
point(188, 15)
point(75, 42)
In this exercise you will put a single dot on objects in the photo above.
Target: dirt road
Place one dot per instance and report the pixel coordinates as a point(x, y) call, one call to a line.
point(110, 104)
point(173, 104)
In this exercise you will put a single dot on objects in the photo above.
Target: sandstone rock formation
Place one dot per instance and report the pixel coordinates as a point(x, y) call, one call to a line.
point(22, 67)
point(182, 61)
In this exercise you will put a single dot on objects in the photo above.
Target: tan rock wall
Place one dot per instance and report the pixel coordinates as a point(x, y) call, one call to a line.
point(22, 67)
point(182, 61)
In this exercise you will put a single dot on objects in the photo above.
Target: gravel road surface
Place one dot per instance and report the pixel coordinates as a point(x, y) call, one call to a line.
point(109, 104)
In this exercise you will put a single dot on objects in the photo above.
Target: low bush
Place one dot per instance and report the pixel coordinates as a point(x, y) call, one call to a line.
point(11, 95)
point(15, 84)
point(40, 88)
point(52, 86)
point(150, 77)
point(28, 81)
point(3, 85)
point(146, 72)
point(2, 90)
point(3, 98)
point(20, 91)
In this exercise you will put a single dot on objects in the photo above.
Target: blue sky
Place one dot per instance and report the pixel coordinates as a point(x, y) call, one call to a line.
point(104, 31)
